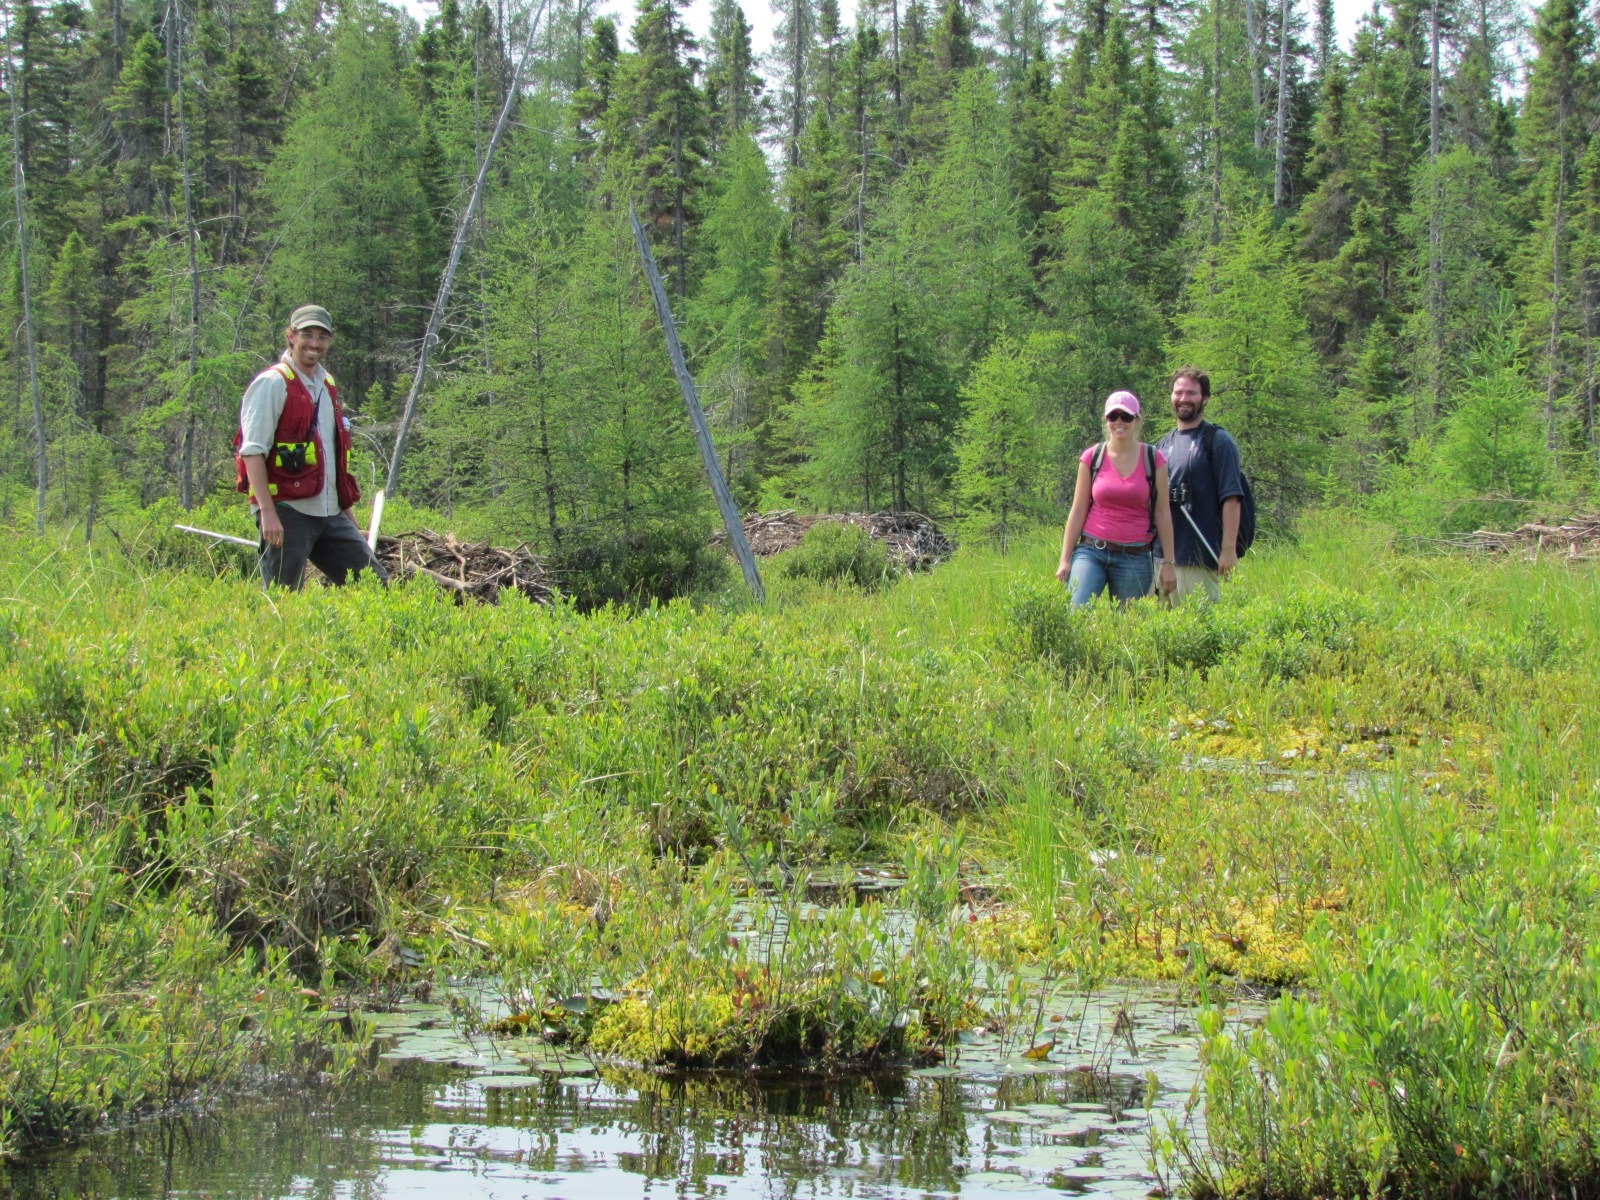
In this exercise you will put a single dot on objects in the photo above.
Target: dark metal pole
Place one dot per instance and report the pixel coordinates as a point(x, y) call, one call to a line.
point(697, 416)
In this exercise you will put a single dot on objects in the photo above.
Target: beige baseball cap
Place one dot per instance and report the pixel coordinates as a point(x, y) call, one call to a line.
point(310, 314)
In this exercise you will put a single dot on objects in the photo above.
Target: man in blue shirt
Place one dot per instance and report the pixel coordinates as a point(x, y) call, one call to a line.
point(1207, 488)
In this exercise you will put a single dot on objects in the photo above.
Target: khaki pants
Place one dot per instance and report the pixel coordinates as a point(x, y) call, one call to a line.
point(1196, 579)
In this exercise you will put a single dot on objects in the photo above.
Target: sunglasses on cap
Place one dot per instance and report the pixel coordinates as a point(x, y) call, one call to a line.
point(1117, 414)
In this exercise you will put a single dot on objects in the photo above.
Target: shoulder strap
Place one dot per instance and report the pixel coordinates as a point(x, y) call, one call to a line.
point(1150, 473)
point(284, 369)
point(1094, 469)
point(1208, 439)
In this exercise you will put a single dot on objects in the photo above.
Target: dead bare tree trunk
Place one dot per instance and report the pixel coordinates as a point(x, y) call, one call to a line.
point(1435, 217)
point(799, 19)
point(1552, 384)
point(191, 237)
point(447, 283)
point(19, 188)
point(1216, 124)
point(1252, 34)
point(1280, 155)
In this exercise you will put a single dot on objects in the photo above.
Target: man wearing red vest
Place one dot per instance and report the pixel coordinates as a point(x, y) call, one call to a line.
point(293, 456)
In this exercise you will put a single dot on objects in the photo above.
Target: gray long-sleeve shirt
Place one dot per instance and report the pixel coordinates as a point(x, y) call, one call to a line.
point(259, 412)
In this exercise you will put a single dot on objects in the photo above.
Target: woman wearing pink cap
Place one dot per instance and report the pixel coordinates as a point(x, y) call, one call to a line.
point(1119, 508)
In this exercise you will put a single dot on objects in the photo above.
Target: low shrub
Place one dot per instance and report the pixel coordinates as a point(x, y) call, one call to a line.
point(113, 996)
point(1449, 1050)
point(655, 564)
point(834, 552)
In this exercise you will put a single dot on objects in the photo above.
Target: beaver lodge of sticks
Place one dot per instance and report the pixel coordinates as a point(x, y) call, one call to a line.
point(914, 541)
point(1574, 538)
point(474, 569)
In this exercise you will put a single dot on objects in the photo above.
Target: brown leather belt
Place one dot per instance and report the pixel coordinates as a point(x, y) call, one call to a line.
point(1113, 547)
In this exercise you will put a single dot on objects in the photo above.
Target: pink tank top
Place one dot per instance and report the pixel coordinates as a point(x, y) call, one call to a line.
point(1121, 509)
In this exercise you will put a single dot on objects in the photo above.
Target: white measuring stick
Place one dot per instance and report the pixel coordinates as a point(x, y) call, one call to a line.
point(377, 517)
point(221, 537)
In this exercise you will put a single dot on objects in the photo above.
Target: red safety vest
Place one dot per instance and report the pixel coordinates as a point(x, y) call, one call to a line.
point(297, 437)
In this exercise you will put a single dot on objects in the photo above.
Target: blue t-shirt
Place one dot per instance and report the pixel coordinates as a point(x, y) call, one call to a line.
point(1204, 484)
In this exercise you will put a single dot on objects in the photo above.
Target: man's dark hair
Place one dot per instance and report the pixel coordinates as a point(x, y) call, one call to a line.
point(1196, 374)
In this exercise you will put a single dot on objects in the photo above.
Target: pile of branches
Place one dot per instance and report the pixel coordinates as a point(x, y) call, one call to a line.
point(914, 541)
point(474, 569)
point(1576, 538)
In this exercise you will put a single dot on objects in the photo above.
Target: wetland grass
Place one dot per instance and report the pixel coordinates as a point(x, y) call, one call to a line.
point(1366, 778)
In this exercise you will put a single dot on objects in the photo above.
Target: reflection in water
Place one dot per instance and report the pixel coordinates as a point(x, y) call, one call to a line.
point(435, 1130)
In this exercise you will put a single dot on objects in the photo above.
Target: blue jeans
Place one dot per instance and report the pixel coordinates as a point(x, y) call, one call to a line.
point(1128, 575)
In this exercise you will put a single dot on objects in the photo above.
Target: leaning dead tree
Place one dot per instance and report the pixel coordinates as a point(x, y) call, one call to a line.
point(697, 416)
point(463, 230)
point(19, 187)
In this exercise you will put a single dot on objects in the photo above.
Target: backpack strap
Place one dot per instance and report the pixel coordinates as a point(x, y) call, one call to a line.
point(1208, 439)
point(1150, 473)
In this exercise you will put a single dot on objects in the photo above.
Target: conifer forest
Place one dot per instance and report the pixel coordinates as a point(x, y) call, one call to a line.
point(909, 255)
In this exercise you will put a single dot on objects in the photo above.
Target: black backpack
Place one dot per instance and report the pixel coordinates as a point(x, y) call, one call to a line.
point(1247, 502)
point(1150, 474)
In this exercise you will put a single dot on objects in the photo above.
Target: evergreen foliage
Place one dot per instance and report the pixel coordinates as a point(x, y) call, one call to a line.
point(878, 239)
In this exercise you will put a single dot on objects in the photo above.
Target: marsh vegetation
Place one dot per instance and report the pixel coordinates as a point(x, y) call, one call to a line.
point(1363, 784)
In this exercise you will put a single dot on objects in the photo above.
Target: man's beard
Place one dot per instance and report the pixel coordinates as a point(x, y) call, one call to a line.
point(1188, 412)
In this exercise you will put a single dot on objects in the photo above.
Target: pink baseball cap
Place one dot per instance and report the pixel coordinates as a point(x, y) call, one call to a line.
point(1122, 402)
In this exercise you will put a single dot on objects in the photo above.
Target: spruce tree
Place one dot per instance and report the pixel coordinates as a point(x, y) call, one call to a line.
point(733, 90)
point(591, 102)
point(346, 191)
point(816, 245)
point(1110, 326)
point(1004, 442)
point(879, 409)
point(966, 229)
point(1492, 453)
point(1586, 271)
point(727, 319)
point(794, 43)
point(663, 115)
point(1244, 324)
point(639, 514)
point(1553, 135)
point(1456, 288)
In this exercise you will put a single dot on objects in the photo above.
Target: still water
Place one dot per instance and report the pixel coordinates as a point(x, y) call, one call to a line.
point(990, 1124)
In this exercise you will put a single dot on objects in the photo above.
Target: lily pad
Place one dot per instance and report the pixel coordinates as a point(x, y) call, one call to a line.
point(561, 1064)
point(1008, 1116)
point(506, 1083)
